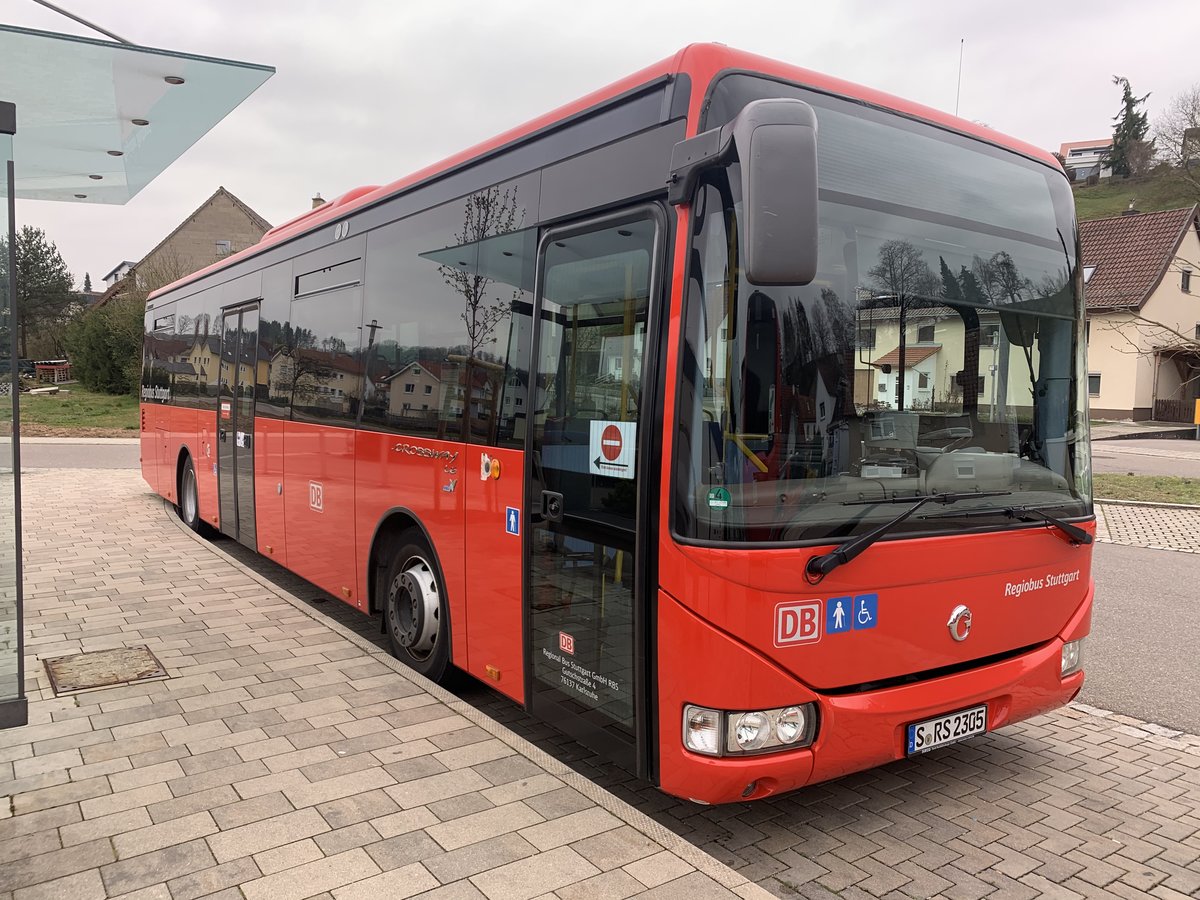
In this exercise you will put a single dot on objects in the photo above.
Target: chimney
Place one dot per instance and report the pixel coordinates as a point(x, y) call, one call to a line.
point(1131, 211)
point(317, 200)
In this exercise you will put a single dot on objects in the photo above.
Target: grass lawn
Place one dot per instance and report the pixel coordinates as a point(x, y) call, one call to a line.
point(77, 411)
point(1150, 488)
point(1151, 194)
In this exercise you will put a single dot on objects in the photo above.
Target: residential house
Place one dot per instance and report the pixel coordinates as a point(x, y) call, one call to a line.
point(934, 357)
point(220, 226)
point(1142, 286)
point(1084, 158)
point(119, 271)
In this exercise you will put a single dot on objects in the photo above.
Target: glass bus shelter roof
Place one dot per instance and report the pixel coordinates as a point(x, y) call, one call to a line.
point(97, 120)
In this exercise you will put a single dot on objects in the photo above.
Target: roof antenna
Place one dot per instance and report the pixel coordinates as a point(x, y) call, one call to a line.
point(83, 21)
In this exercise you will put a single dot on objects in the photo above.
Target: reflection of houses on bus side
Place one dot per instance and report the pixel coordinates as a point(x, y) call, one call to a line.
point(319, 380)
point(419, 391)
point(424, 388)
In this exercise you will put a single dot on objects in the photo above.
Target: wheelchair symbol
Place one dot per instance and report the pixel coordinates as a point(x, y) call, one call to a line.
point(866, 610)
point(864, 614)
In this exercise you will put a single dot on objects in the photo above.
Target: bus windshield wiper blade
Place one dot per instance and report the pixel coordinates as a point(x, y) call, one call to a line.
point(820, 566)
point(1023, 514)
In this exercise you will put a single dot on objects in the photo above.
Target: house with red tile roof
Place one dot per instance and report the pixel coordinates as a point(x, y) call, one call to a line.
point(1141, 276)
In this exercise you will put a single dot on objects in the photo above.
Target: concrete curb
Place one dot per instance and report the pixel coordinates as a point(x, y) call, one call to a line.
point(81, 440)
point(635, 818)
point(1151, 503)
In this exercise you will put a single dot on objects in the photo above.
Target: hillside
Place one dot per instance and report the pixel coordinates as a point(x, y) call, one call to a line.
point(1152, 194)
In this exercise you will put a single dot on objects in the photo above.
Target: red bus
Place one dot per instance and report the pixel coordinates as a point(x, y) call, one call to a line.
point(732, 419)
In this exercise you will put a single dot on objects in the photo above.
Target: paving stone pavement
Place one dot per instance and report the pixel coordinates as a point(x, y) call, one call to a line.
point(1155, 527)
point(283, 757)
point(1078, 803)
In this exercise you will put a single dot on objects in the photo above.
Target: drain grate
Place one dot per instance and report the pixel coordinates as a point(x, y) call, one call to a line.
point(102, 668)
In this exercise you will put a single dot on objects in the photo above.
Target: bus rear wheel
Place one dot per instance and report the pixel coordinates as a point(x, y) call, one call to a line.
point(415, 609)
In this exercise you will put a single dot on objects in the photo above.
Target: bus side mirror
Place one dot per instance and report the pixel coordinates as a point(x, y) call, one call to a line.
point(776, 142)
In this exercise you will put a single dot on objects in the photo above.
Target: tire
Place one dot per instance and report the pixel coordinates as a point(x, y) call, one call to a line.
point(189, 500)
point(414, 608)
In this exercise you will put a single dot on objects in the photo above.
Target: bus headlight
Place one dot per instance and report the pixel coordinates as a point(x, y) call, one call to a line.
point(715, 732)
point(1072, 657)
point(790, 724)
point(751, 731)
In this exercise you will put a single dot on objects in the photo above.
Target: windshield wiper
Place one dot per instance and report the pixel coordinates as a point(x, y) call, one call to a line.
point(1023, 514)
point(820, 566)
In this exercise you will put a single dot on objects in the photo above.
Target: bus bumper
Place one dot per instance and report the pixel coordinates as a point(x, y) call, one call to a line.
point(855, 731)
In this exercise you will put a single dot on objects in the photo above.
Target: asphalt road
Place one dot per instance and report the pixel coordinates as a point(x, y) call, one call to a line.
point(1141, 656)
point(40, 453)
point(1147, 457)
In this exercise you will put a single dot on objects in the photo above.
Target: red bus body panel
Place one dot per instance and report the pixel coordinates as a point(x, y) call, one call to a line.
point(270, 460)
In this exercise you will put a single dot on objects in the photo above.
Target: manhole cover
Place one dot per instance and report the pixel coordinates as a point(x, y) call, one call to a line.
point(102, 668)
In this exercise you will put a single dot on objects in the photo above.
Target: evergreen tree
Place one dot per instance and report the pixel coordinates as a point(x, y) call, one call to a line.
point(87, 282)
point(951, 289)
point(1129, 132)
point(44, 284)
point(971, 291)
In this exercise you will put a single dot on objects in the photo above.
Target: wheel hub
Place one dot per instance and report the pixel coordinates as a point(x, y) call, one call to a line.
point(413, 607)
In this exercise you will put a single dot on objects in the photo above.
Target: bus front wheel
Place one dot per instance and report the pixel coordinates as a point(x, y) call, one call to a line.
point(189, 499)
point(415, 608)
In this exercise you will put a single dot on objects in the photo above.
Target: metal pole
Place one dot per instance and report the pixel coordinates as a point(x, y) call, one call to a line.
point(958, 90)
point(14, 711)
point(83, 21)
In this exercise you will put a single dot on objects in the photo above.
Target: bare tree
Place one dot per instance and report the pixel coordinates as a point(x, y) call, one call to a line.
point(487, 214)
point(1177, 136)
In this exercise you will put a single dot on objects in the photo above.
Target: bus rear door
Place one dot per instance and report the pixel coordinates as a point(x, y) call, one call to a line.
point(235, 423)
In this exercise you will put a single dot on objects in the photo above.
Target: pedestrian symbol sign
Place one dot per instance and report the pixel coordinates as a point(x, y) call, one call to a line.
point(838, 611)
point(512, 520)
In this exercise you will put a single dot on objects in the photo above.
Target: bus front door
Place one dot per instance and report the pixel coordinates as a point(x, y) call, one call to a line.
point(585, 591)
point(235, 423)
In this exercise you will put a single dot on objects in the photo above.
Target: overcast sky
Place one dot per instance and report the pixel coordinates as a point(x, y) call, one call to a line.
point(366, 92)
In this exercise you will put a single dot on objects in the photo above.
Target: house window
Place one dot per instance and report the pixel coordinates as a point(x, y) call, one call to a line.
point(409, 388)
point(866, 339)
point(224, 248)
point(925, 334)
point(1088, 272)
point(429, 389)
point(922, 380)
point(883, 387)
point(1198, 331)
point(1186, 282)
point(1087, 330)
point(1093, 384)
point(989, 335)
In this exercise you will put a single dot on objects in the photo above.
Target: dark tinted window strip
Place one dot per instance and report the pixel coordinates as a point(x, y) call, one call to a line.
point(636, 111)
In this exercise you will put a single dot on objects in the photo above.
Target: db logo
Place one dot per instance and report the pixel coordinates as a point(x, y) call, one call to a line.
point(798, 623)
point(316, 496)
point(566, 643)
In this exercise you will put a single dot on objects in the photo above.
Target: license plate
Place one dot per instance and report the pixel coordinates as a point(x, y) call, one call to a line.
point(933, 733)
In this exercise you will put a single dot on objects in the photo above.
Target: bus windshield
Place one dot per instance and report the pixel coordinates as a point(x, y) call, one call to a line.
point(939, 350)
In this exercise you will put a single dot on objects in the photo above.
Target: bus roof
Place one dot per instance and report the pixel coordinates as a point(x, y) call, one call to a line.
point(701, 63)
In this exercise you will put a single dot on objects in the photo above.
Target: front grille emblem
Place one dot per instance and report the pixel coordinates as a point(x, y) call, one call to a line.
point(960, 623)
